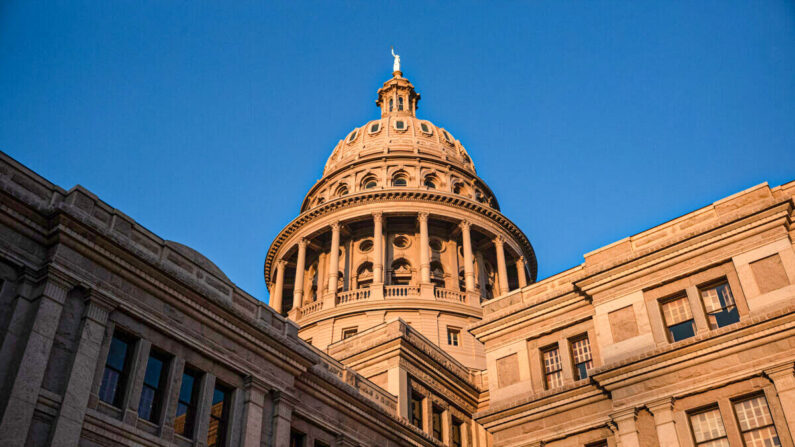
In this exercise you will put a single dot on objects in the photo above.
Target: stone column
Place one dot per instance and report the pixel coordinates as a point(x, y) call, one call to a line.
point(69, 421)
point(378, 248)
point(469, 270)
point(300, 267)
point(283, 405)
point(278, 289)
point(626, 420)
point(447, 424)
point(520, 272)
point(137, 375)
point(501, 269)
point(334, 260)
point(35, 353)
point(202, 421)
point(171, 397)
point(427, 415)
point(784, 381)
point(425, 252)
point(662, 409)
point(253, 404)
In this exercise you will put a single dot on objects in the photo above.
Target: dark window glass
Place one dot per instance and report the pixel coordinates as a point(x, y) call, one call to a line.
point(581, 356)
point(374, 128)
point(400, 125)
point(391, 102)
point(416, 410)
point(425, 128)
point(678, 318)
point(219, 417)
point(456, 435)
point(348, 333)
point(436, 423)
point(400, 181)
point(186, 405)
point(154, 384)
point(298, 439)
point(114, 378)
point(370, 184)
point(682, 331)
point(452, 336)
point(430, 183)
point(400, 104)
point(719, 305)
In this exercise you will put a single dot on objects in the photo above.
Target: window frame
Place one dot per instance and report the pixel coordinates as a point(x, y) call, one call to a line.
point(223, 420)
point(575, 365)
point(349, 332)
point(158, 392)
point(123, 375)
point(702, 410)
point(437, 413)
point(416, 414)
point(748, 397)
point(191, 406)
point(455, 332)
point(548, 374)
point(669, 333)
point(711, 285)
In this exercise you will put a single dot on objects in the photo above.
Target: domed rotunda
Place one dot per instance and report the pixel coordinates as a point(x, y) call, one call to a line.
point(399, 226)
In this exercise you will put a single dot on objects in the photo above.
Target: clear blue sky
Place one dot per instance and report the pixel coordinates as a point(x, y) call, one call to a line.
point(207, 122)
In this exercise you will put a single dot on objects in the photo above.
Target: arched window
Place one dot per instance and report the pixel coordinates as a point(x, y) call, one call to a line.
point(369, 182)
point(437, 274)
point(430, 182)
point(342, 190)
point(400, 272)
point(400, 179)
point(364, 275)
point(391, 103)
point(400, 104)
point(319, 201)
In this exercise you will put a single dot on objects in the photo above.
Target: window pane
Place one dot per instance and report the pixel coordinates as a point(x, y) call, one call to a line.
point(110, 381)
point(753, 413)
point(723, 318)
point(581, 350)
point(186, 389)
point(154, 368)
point(707, 426)
point(682, 331)
point(437, 423)
point(763, 437)
point(117, 353)
point(552, 360)
point(676, 311)
point(146, 405)
point(216, 435)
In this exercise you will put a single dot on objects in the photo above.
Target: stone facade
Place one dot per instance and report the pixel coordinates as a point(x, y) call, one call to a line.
point(404, 312)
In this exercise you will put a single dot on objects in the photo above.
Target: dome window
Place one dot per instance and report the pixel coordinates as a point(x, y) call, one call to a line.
point(400, 125)
point(366, 245)
point(447, 137)
point(430, 182)
point(400, 104)
point(353, 136)
point(375, 127)
point(399, 181)
point(369, 183)
point(342, 190)
point(401, 241)
point(391, 104)
point(425, 128)
point(458, 188)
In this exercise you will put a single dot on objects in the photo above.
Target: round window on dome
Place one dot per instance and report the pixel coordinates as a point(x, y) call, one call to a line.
point(400, 125)
point(366, 245)
point(375, 127)
point(353, 136)
point(401, 241)
point(425, 128)
point(370, 184)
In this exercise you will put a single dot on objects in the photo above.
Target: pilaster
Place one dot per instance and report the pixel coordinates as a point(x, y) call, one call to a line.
point(784, 381)
point(253, 404)
point(626, 420)
point(662, 410)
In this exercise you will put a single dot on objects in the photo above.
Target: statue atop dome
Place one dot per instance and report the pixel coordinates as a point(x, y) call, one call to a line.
point(396, 65)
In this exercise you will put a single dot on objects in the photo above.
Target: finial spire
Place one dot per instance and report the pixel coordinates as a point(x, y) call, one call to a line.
point(396, 65)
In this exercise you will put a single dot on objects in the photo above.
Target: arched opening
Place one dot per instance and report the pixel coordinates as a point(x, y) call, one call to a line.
point(342, 190)
point(364, 275)
point(437, 274)
point(391, 104)
point(431, 182)
point(400, 104)
point(369, 182)
point(400, 179)
point(400, 272)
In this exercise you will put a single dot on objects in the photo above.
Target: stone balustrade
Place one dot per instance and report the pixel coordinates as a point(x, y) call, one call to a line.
point(450, 295)
point(401, 291)
point(353, 295)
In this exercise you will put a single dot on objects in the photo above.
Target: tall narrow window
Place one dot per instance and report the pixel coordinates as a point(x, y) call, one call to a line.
point(400, 104)
point(416, 410)
point(219, 416)
point(436, 422)
point(719, 305)
point(553, 367)
point(756, 423)
point(452, 336)
point(154, 385)
point(581, 355)
point(708, 428)
point(391, 103)
point(297, 439)
point(455, 437)
point(186, 403)
point(117, 369)
point(678, 318)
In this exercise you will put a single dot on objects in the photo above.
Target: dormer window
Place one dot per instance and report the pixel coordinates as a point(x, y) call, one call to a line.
point(391, 104)
point(447, 136)
point(400, 125)
point(425, 128)
point(375, 127)
point(400, 104)
point(353, 136)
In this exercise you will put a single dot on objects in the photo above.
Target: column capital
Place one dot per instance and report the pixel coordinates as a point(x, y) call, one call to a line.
point(660, 405)
point(251, 382)
point(281, 263)
point(464, 224)
point(625, 414)
point(98, 306)
point(303, 242)
point(422, 216)
point(378, 216)
point(499, 240)
point(784, 370)
point(335, 225)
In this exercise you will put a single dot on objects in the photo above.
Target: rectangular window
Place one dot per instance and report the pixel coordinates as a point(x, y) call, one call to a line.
point(117, 369)
point(154, 385)
point(678, 318)
point(436, 422)
point(719, 305)
point(297, 439)
point(581, 356)
point(756, 423)
point(458, 426)
point(416, 410)
point(219, 416)
point(452, 336)
point(348, 333)
point(602, 443)
point(553, 367)
point(186, 404)
point(708, 429)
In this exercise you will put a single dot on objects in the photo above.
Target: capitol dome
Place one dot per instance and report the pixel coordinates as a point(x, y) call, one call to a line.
point(399, 226)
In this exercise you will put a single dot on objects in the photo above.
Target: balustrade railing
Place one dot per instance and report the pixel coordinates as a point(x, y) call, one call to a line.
point(311, 308)
point(353, 295)
point(449, 295)
point(401, 291)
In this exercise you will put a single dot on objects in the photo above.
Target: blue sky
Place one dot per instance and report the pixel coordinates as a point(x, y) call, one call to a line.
point(207, 122)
